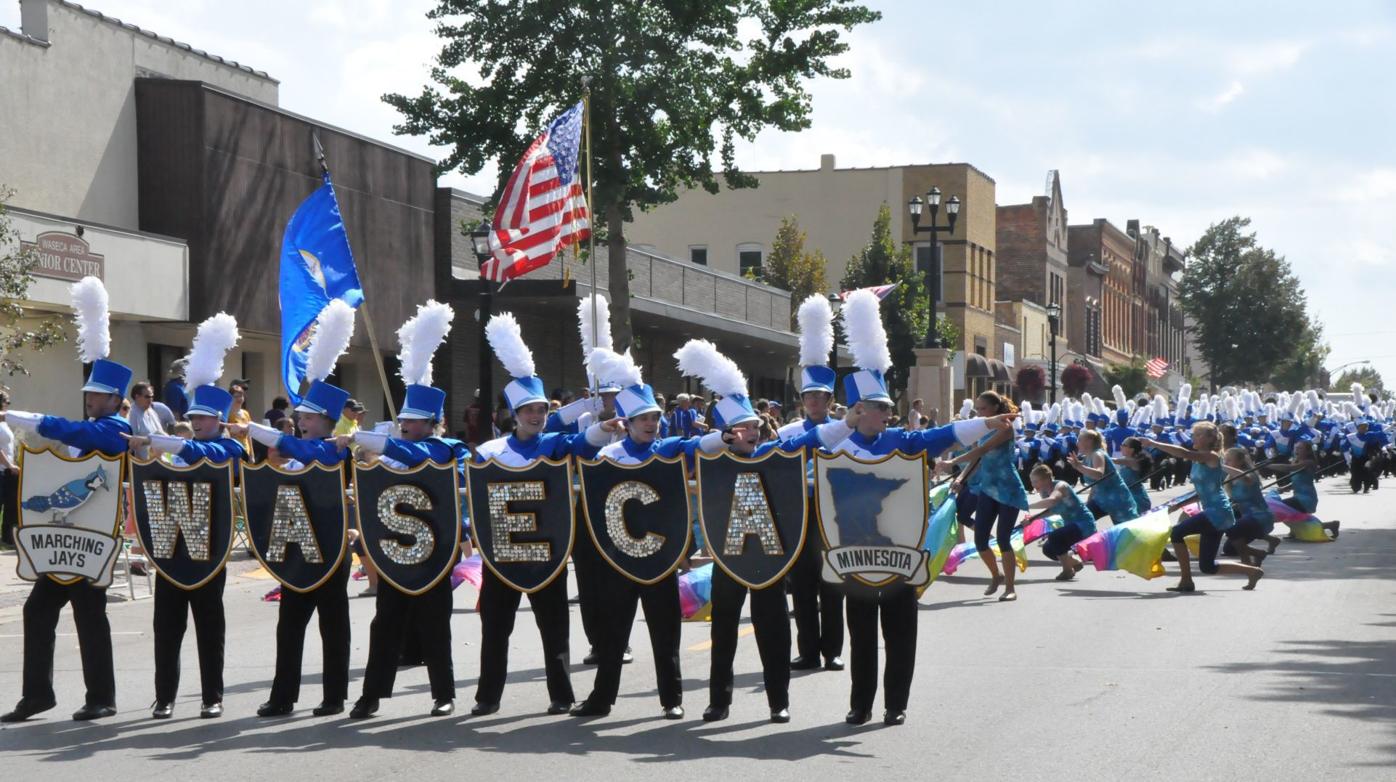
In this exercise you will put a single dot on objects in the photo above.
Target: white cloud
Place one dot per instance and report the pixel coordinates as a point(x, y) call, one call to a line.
point(1224, 98)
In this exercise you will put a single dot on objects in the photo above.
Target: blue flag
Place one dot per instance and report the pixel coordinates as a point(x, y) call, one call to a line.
point(316, 266)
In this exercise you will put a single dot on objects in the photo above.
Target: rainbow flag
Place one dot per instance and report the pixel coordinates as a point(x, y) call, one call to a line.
point(468, 571)
point(1022, 536)
point(1134, 547)
point(696, 594)
point(940, 532)
point(1305, 527)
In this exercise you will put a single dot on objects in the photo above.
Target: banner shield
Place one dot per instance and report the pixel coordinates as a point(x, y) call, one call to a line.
point(409, 521)
point(184, 516)
point(752, 512)
point(872, 517)
point(69, 516)
point(638, 515)
point(297, 521)
point(521, 518)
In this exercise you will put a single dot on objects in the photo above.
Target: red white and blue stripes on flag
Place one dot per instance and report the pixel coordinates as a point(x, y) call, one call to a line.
point(543, 209)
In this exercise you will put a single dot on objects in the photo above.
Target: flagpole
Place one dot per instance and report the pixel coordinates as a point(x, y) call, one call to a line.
point(368, 321)
point(591, 216)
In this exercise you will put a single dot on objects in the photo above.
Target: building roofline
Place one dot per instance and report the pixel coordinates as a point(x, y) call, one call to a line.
point(166, 238)
point(466, 195)
point(970, 166)
point(167, 40)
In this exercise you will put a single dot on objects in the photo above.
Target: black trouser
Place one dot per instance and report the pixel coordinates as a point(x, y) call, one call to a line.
point(818, 604)
point(331, 601)
point(9, 505)
point(46, 601)
point(427, 617)
point(172, 608)
point(772, 638)
point(663, 617)
point(591, 575)
point(896, 605)
point(499, 606)
point(1362, 475)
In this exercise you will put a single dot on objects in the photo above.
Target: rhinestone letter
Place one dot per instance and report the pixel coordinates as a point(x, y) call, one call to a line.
point(503, 522)
point(185, 508)
point(751, 515)
point(290, 523)
point(615, 519)
point(420, 532)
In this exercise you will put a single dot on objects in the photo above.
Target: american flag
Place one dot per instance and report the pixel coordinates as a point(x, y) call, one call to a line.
point(880, 291)
point(1155, 367)
point(543, 210)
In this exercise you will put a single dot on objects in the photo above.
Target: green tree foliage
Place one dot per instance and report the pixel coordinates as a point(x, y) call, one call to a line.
point(904, 311)
point(791, 268)
point(1304, 368)
point(1249, 312)
point(1368, 376)
point(18, 333)
point(673, 85)
point(1132, 378)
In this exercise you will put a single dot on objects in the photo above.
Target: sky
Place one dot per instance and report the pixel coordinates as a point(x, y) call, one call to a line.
point(1178, 114)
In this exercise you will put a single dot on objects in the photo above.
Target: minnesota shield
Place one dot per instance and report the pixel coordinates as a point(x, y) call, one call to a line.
point(297, 521)
point(184, 516)
point(69, 516)
point(521, 518)
point(410, 522)
point(752, 512)
point(872, 517)
point(638, 515)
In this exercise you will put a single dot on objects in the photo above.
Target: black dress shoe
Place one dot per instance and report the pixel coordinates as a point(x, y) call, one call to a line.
point(627, 658)
point(673, 712)
point(482, 709)
point(443, 708)
point(94, 711)
point(780, 715)
point(894, 717)
point(559, 707)
point(833, 664)
point(803, 663)
point(589, 709)
point(27, 708)
point(592, 657)
point(211, 710)
point(715, 714)
point(364, 708)
point(272, 709)
point(162, 711)
point(858, 717)
point(331, 708)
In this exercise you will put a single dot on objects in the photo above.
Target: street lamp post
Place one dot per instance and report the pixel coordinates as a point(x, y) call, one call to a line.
point(480, 238)
point(1054, 318)
point(952, 213)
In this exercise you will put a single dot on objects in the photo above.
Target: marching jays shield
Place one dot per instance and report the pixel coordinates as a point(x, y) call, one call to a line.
point(69, 516)
point(872, 517)
point(184, 516)
point(297, 521)
point(638, 515)
point(410, 522)
point(521, 518)
point(753, 513)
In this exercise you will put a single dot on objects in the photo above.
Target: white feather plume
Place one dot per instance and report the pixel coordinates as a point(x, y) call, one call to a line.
point(613, 367)
point(1054, 414)
point(1026, 409)
point(816, 331)
point(1312, 396)
point(1353, 412)
point(334, 328)
point(216, 336)
point(602, 326)
point(1184, 396)
point(1359, 394)
point(1160, 407)
point(506, 340)
point(1231, 408)
point(1119, 394)
point(90, 307)
point(701, 359)
point(862, 326)
point(1296, 404)
point(419, 338)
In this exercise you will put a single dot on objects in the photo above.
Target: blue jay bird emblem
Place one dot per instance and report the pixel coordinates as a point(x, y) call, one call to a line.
point(68, 497)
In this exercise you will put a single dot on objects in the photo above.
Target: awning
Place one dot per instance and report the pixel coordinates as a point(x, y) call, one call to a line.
point(977, 366)
point(999, 371)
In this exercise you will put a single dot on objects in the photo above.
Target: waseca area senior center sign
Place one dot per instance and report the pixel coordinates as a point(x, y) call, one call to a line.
point(64, 256)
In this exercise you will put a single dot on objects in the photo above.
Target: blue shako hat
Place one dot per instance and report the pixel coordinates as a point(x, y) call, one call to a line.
point(423, 403)
point(419, 339)
point(108, 377)
point(636, 400)
point(94, 338)
point(325, 399)
point(817, 379)
point(506, 339)
point(211, 400)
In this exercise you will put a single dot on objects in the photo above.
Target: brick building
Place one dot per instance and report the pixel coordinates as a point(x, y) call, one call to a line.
point(1111, 305)
point(1034, 268)
point(1164, 333)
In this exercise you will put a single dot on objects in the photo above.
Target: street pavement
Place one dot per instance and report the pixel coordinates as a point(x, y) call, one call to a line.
point(1105, 678)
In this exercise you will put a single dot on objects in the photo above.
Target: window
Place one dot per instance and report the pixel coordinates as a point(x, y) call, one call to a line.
point(698, 255)
point(749, 260)
point(937, 278)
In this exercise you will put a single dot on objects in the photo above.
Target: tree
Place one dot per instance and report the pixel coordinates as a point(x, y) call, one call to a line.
point(16, 275)
point(904, 311)
point(790, 268)
point(673, 85)
point(1132, 378)
point(1031, 381)
point(1368, 376)
point(1075, 380)
point(1249, 312)
point(1304, 368)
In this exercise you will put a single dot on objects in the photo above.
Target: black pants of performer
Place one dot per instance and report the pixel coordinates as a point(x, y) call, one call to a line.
point(818, 604)
point(41, 610)
point(331, 601)
point(663, 617)
point(398, 614)
point(499, 606)
point(592, 574)
point(9, 505)
point(895, 606)
point(172, 608)
point(772, 638)
point(988, 514)
point(1163, 478)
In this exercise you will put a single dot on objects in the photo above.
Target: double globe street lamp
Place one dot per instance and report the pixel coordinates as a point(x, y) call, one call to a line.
point(480, 239)
point(952, 213)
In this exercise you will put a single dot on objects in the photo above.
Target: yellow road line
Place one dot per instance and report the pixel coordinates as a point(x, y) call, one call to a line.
point(704, 646)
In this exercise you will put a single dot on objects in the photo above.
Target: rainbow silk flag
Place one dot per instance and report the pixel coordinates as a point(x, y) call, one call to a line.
point(696, 594)
point(1022, 536)
point(1305, 527)
point(940, 532)
point(1134, 547)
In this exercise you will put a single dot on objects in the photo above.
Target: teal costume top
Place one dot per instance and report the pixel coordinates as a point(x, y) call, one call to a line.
point(1111, 494)
point(1208, 483)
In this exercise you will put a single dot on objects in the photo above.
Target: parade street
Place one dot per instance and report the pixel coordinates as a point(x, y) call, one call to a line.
point(1106, 678)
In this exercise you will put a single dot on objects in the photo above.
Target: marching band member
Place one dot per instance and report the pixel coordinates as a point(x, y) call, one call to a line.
point(499, 604)
point(320, 409)
point(101, 431)
point(397, 613)
point(207, 412)
point(870, 406)
point(818, 604)
point(1108, 490)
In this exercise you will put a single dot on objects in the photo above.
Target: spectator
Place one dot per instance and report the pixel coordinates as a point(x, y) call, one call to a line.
point(351, 418)
point(915, 418)
point(9, 478)
point(476, 430)
point(238, 412)
point(279, 406)
point(685, 416)
point(933, 419)
point(167, 416)
point(142, 417)
point(173, 394)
